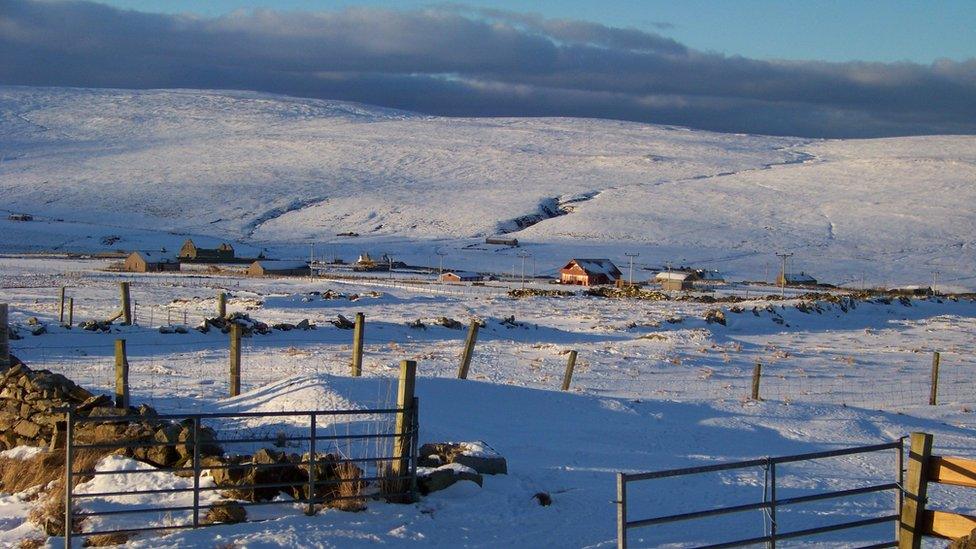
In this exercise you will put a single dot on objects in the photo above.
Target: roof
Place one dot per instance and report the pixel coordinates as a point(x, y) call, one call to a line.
point(463, 274)
point(674, 275)
point(157, 257)
point(280, 264)
point(800, 277)
point(598, 266)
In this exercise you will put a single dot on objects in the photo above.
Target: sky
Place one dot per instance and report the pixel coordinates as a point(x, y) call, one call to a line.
point(814, 69)
point(827, 30)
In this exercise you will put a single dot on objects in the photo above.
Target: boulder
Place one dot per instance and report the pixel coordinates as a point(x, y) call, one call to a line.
point(434, 479)
point(225, 512)
point(476, 455)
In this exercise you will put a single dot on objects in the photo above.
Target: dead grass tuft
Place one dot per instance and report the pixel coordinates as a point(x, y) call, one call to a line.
point(106, 540)
point(47, 469)
point(350, 489)
point(32, 543)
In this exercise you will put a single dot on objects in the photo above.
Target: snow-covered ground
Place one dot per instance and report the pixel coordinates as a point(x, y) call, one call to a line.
point(151, 167)
point(648, 394)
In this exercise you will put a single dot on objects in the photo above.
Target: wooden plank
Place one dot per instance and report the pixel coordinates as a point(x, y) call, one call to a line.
point(916, 484)
point(952, 470)
point(357, 345)
point(948, 525)
point(468, 350)
point(121, 375)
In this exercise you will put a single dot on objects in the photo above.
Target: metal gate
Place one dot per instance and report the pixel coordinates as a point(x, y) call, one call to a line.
point(770, 503)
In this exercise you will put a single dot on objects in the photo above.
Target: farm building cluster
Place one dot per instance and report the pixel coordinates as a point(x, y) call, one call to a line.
point(220, 259)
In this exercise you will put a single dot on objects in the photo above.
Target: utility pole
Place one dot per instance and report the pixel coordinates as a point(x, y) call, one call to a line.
point(311, 262)
point(631, 256)
point(440, 256)
point(523, 255)
point(935, 282)
point(783, 256)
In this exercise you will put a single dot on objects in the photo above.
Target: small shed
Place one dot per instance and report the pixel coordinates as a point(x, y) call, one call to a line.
point(676, 280)
point(796, 279)
point(589, 272)
point(502, 241)
point(150, 262)
point(460, 276)
point(271, 267)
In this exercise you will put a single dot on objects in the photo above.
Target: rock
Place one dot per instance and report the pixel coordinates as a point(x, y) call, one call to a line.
point(476, 455)
point(431, 480)
point(303, 324)
point(225, 512)
point(27, 428)
point(715, 316)
point(283, 326)
point(543, 498)
point(343, 323)
point(451, 323)
point(38, 330)
point(417, 324)
point(32, 321)
point(167, 330)
point(94, 402)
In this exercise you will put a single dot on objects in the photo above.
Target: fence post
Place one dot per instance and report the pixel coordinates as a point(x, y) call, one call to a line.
point(69, 427)
point(312, 465)
point(71, 312)
point(235, 359)
point(756, 376)
point(404, 422)
point(570, 366)
point(4, 337)
point(196, 472)
point(357, 345)
point(61, 306)
point(468, 350)
point(934, 391)
point(621, 512)
point(772, 504)
point(916, 489)
point(221, 305)
point(121, 375)
point(126, 305)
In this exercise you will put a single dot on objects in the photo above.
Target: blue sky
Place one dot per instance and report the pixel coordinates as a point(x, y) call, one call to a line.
point(828, 30)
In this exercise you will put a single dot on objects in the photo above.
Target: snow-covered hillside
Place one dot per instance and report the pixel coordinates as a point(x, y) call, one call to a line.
point(281, 172)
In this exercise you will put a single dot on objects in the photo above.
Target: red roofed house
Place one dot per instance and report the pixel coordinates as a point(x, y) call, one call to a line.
point(589, 272)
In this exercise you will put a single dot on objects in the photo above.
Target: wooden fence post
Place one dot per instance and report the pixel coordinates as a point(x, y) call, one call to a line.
point(221, 305)
point(121, 375)
point(756, 376)
point(61, 306)
point(126, 305)
point(570, 366)
point(404, 423)
point(934, 391)
point(916, 490)
point(71, 312)
point(4, 337)
point(235, 359)
point(468, 350)
point(357, 345)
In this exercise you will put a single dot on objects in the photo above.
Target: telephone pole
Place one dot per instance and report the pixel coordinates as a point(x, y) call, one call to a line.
point(935, 282)
point(783, 256)
point(523, 255)
point(631, 256)
point(440, 256)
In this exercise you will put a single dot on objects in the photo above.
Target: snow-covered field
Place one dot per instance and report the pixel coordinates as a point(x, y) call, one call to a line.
point(151, 167)
point(648, 394)
point(655, 386)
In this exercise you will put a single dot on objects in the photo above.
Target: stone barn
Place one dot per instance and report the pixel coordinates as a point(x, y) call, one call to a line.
point(589, 272)
point(190, 252)
point(270, 267)
point(150, 262)
point(460, 276)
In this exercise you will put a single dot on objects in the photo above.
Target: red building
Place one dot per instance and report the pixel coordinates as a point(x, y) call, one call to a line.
point(589, 272)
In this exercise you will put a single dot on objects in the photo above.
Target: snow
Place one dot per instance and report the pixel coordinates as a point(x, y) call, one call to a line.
point(673, 275)
point(598, 267)
point(646, 395)
point(154, 167)
point(280, 265)
point(655, 386)
point(22, 452)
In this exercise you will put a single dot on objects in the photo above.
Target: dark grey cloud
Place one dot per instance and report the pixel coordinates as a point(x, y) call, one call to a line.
point(458, 61)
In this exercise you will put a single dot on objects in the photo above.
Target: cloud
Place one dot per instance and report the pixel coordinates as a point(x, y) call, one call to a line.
point(459, 61)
